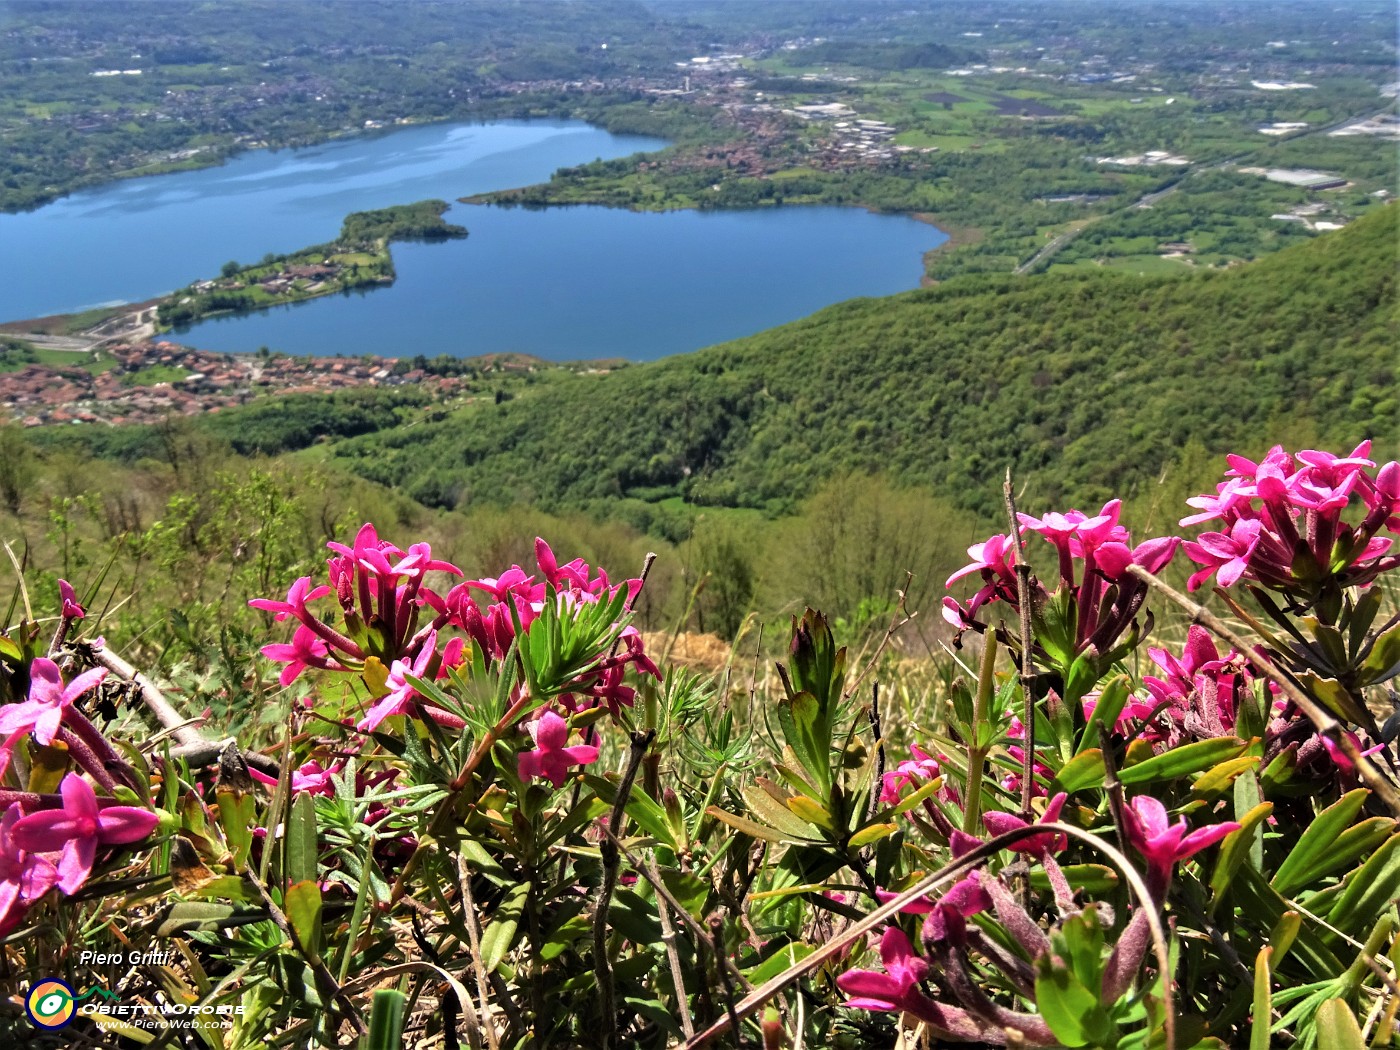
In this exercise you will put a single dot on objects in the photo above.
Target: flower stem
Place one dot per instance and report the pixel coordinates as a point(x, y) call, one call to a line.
point(976, 752)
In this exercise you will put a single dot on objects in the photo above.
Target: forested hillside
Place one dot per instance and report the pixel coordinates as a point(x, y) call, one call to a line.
point(1106, 378)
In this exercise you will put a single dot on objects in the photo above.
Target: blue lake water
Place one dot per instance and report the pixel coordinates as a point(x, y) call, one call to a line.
point(562, 283)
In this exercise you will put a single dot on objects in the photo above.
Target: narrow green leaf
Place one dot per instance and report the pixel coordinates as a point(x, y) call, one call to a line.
point(811, 811)
point(499, 935)
point(1263, 1002)
point(1237, 846)
point(1183, 760)
point(386, 1019)
point(871, 833)
point(1316, 840)
point(299, 864)
point(1368, 890)
point(749, 827)
point(1106, 712)
point(303, 907)
point(1084, 770)
point(1221, 777)
point(768, 809)
point(787, 956)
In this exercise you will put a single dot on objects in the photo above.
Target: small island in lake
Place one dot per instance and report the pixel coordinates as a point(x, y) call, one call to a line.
point(359, 258)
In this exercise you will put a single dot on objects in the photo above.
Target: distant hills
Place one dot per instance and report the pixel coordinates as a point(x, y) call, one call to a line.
point(1087, 384)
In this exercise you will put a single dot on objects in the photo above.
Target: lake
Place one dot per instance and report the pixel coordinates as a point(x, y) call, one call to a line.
point(561, 283)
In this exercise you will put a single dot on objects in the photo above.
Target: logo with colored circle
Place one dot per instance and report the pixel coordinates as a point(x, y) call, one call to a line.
point(50, 1004)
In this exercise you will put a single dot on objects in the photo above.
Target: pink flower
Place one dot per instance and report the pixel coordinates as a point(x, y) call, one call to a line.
point(71, 609)
point(1227, 552)
point(42, 713)
point(551, 759)
point(897, 989)
point(911, 774)
point(23, 876)
point(1161, 843)
point(998, 823)
point(308, 777)
point(306, 650)
point(78, 829)
point(298, 595)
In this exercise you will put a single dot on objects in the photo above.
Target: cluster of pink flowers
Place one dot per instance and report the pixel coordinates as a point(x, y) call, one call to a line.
point(948, 937)
point(1093, 554)
point(1281, 521)
point(388, 612)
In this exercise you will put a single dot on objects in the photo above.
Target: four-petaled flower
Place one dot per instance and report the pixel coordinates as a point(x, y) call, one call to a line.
point(551, 759)
point(1162, 843)
point(42, 713)
point(309, 777)
point(897, 989)
point(78, 829)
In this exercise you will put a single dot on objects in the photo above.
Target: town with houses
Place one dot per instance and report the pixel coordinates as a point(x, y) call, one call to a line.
point(119, 386)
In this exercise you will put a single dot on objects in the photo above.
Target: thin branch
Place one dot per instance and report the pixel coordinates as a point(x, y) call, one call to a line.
point(473, 924)
point(879, 736)
point(190, 744)
point(602, 966)
point(1320, 717)
point(673, 955)
point(717, 946)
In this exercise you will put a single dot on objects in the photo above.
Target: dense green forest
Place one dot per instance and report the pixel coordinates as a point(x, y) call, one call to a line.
point(1103, 377)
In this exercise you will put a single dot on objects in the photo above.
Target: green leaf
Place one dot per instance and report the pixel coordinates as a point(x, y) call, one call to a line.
point(1111, 702)
point(800, 717)
point(1083, 676)
point(299, 864)
point(237, 813)
point(1091, 878)
point(787, 956)
point(811, 811)
point(386, 1019)
point(1383, 657)
point(481, 861)
point(871, 833)
point(1359, 840)
point(770, 810)
point(1368, 890)
point(1334, 696)
point(1084, 770)
point(303, 907)
point(1064, 1003)
point(1221, 777)
point(1337, 1028)
point(499, 935)
point(1312, 846)
point(641, 807)
point(749, 827)
point(1237, 846)
point(1263, 1002)
point(1182, 761)
point(690, 891)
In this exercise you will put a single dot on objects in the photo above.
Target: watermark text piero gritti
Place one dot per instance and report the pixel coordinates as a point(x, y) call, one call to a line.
point(149, 958)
